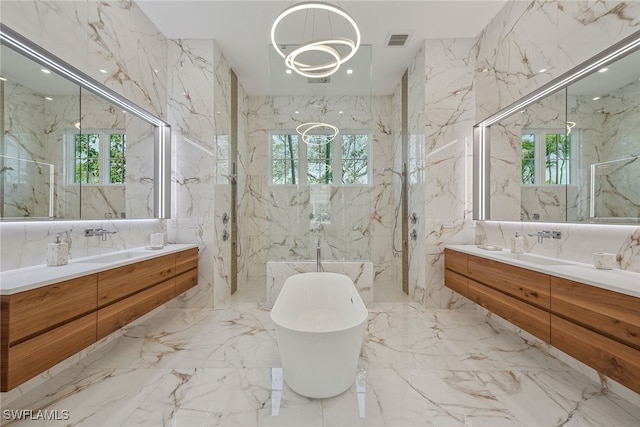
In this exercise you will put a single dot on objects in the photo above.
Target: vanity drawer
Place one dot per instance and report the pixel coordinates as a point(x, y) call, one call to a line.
point(455, 261)
point(457, 282)
point(527, 317)
point(611, 313)
point(37, 310)
point(186, 281)
point(186, 260)
point(31, 357)
point(527, 285)
point(119, 282)
point(611, 358)
point(117, 315)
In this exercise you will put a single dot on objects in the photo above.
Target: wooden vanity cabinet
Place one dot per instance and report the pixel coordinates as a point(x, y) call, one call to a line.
point(42, 327)
point(529, 286)
point(598, 327)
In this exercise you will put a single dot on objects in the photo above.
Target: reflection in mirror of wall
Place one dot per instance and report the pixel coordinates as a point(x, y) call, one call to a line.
point(569, 156)
point(71, 148)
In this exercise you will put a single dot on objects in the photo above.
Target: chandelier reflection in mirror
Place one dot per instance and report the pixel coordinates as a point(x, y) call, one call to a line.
point(317, 139)
point(317, 24)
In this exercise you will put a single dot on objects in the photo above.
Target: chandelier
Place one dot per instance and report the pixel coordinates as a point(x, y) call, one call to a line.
point(338, 49)
point(304, 129)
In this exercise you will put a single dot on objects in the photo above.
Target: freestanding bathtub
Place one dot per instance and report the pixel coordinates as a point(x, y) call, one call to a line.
point(319, 320)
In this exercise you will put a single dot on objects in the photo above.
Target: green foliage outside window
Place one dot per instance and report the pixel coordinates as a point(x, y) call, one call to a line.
point(87, 159)
point(117, 158)
point(556, 158)
point(319, 160)
point(558, 154)
point(284, 155)
point(355, 162)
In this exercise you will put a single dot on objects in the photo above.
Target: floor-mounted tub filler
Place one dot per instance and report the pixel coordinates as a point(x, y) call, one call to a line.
point(319, 321)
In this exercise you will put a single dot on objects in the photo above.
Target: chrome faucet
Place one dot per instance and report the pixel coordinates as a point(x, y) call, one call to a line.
point(545, 234)
point(88, 232)
point(318, 263)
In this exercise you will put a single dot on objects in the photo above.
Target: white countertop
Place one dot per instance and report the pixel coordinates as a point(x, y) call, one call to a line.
point(23, 279)
point(625, 282)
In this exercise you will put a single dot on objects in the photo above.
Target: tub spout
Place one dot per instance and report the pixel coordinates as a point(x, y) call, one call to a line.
point(318, 256)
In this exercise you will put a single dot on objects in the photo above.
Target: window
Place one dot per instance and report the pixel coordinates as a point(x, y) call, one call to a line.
point(96, 157)
point(293, 162)
point(546, 157)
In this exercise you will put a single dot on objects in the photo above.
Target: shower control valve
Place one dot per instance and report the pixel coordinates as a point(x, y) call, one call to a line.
point(225, 218)
point(414, 218)
point(414, 234)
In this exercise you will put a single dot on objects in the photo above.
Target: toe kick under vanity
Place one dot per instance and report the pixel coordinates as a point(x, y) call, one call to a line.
point(592, 315)
point(51, 313)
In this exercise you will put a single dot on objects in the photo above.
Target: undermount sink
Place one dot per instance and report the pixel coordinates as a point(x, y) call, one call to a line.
point(113, 257)
point(533, 259)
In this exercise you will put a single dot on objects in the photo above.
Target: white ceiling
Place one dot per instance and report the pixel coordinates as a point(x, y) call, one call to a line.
point(242, 30)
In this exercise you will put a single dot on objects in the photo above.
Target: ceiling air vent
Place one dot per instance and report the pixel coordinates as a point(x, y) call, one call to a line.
point(397, 39)
point(319, 80)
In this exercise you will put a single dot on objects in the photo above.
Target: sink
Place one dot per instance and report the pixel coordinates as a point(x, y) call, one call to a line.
point(112, 257)
point(533, 259)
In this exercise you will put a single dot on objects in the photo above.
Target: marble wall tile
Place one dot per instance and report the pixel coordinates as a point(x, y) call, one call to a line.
point(441, 116)
point(284, 212)
point(199, 102)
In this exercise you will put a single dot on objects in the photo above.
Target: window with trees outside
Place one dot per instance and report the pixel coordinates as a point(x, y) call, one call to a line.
point(96, 157)
point(293, 162)
point(546, 157)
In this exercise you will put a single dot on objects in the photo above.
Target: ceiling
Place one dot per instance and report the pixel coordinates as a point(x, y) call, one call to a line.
point(242, 28)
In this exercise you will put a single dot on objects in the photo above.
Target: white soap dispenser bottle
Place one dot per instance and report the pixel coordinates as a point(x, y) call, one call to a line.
point(517, 243)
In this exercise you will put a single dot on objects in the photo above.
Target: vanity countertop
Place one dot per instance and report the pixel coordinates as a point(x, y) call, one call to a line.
point(23, 279)
point(625, 282)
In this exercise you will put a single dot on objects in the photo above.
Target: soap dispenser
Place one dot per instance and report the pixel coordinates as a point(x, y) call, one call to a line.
point(517, 243)
point(57, 253)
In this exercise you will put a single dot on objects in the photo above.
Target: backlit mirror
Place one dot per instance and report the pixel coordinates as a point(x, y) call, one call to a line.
point(568, 152)
point(71, 148)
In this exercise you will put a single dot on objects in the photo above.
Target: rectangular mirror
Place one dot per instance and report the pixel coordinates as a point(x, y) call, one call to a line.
point(71, 148)
point(568, 152)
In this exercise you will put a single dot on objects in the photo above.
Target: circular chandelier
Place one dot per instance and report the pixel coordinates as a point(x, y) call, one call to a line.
point(304, 129)
point(324, 46)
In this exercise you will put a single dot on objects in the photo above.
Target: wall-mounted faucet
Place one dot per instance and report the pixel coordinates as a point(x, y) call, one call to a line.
point(545, 234)
point(88, 232)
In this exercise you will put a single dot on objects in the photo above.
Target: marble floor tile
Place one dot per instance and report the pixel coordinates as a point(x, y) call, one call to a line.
point(220, 367)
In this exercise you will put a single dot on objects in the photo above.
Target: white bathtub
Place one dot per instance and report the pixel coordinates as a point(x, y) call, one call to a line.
point(319, 320)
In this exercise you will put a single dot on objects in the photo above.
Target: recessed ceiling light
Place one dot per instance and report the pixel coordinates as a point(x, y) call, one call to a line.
point(156, 71)
point(44, 70)
point(595, 98)
point(349, 71)
point(297, 112)
point(288, 71)
point(103, 71)
point(3, 79)
point(48, 98)
point(543, 70)
point(602, 70)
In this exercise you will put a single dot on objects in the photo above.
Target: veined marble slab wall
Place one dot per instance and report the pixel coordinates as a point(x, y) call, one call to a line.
point(523, 38)
point(441, 116)
point(274, 221)
point(199, 100)
point(111, 35)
